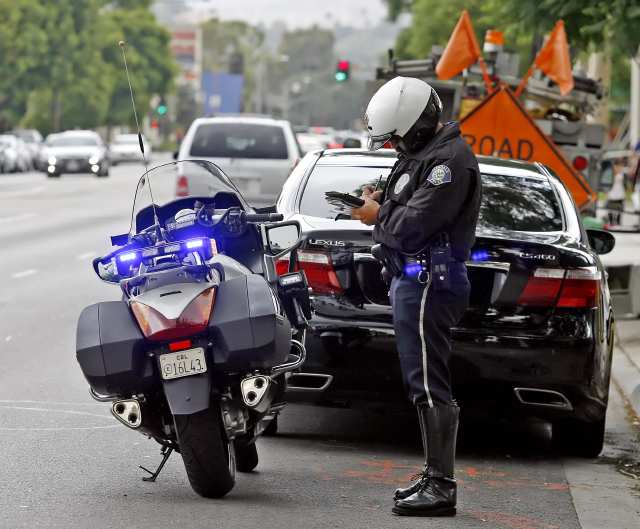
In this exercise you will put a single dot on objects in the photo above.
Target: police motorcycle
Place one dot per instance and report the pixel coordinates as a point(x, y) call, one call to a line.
point(196, 353)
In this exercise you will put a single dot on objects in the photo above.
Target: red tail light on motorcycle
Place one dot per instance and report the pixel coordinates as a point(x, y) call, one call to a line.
point(318, 267)
point(193, 320)
point(572, 288)
point(182, 186)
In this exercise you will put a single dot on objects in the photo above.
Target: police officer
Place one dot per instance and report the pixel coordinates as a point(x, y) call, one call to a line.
point(425, 223)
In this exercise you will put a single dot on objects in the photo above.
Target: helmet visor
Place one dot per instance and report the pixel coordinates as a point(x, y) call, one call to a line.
point(377, 142)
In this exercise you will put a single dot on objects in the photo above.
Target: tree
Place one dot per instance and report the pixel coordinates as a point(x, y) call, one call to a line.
point(221, 40)
point(151, 66)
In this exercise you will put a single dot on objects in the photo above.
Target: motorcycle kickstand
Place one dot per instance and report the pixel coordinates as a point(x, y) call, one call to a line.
point(166, 452)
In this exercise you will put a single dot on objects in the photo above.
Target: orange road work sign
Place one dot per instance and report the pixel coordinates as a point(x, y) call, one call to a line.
point(500, 126)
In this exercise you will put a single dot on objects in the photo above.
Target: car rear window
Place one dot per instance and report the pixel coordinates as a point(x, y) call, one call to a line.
point(508, 202)
point(346, 179)
point(519, 204)
point(239, 140)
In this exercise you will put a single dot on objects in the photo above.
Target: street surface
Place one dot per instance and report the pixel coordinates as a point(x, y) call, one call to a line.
point(65, 463)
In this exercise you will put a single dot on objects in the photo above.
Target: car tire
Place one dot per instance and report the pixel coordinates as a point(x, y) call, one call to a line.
point(246, 457)
point(579, 438)
point(104, 173)
point(272, 428)
point(209, 458)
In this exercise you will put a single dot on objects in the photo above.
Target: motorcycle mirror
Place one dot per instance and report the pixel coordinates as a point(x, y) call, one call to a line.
point(282, 237)
point(107, 270)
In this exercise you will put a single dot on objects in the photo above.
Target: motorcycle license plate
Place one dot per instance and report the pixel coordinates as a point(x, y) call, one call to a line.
point(183, 363)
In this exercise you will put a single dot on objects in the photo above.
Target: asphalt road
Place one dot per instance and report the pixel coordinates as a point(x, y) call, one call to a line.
point(65, 463)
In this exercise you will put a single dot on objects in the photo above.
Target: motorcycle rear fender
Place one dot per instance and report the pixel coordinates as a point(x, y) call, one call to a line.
point(188, 395)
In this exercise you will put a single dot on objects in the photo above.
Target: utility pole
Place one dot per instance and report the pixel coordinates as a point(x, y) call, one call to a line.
point(634, 108)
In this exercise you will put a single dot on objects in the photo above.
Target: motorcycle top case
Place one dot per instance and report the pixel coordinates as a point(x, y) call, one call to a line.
point(246, 332)
point(111, 349)
point(246, 327)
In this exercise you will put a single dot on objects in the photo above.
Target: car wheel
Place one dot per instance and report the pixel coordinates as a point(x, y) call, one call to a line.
point(579, 438)
point(272, 429)
point(246, 457)
point(104, 173)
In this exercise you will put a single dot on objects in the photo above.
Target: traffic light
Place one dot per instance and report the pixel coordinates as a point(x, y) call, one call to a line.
point(162, 108)
point(342, 71)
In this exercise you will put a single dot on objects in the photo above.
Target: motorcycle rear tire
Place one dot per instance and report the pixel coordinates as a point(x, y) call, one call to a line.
point(209, 458)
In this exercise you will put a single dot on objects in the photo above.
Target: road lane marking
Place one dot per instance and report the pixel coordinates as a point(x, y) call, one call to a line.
point(17, 218)
point(85, 256)
point(22, 192)
point(55, 428)
point(24, 273)
point(50, 402)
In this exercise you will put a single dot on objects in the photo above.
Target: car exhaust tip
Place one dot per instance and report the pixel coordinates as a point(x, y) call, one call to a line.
point(546, 398)
point(309, 382)
point(128, 412)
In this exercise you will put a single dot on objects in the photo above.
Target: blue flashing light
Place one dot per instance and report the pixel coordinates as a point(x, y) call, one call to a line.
point(128, 257)
point(412, 269)
point(194, 243)
point(480, 255)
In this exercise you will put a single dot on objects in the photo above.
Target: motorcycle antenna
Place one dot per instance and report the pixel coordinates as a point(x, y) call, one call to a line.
point(156, 221)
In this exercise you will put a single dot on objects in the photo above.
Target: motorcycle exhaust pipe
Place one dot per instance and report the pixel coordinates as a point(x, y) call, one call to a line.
point(128, 412)
point(257, 392)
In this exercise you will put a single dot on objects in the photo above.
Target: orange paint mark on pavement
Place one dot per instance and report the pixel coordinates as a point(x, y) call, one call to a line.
point(512, 521)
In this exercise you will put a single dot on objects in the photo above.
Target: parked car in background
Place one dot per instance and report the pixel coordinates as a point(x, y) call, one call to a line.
point(34, 143)
point(15, 154)
point(76, 151)
point(126, 148)
point(257, 153)
point(537, 337)
point(313, 142)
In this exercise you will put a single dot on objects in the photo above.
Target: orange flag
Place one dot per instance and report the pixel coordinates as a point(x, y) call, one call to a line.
point(553, 59)
point(462, 49)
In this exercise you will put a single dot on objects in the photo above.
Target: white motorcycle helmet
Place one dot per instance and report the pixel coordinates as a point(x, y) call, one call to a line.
point(396, 107)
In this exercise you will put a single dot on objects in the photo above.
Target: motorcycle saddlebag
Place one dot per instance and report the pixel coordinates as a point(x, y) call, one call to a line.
point(110, 349)
point(246, 328)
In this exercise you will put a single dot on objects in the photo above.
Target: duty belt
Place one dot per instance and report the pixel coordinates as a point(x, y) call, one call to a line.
point(418, 264)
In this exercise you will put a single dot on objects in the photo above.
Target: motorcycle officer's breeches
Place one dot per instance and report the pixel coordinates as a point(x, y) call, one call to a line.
point(423, 318)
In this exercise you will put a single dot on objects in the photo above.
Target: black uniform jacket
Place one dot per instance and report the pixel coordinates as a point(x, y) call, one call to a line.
point(435, 190)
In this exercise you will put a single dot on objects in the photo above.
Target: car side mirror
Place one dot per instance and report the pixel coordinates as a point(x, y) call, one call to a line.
point(282, 237)
point(601, 241)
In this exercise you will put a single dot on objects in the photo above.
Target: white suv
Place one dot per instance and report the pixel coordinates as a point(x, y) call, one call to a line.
point(256, 153)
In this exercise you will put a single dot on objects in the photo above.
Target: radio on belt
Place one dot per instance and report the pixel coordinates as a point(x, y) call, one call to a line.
point(440, 259)
point(293, 291)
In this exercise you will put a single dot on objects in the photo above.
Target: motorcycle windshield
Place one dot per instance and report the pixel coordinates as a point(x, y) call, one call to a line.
point(180, 183)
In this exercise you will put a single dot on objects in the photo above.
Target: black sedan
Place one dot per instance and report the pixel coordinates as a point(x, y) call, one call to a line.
point(537, 337)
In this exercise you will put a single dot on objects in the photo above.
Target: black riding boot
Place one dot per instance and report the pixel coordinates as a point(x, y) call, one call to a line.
point(436, 495)
point(401, 494)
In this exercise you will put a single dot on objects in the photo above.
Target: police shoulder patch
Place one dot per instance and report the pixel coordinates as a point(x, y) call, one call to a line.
point(440, 174)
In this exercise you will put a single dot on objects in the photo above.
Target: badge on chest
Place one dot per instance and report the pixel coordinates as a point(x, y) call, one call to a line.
point(401, 183)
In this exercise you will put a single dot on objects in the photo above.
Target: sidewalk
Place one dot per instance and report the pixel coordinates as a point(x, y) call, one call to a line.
point(626, 363)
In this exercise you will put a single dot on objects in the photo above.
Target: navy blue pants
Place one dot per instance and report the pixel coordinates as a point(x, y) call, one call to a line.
point(422, 318)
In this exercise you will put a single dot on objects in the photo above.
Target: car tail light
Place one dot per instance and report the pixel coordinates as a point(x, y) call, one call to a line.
point(318, 267)
point(543, 288)
point(182, 187)
point(581, 288)
point(335, 145)
point(193, 320)
point(580, 163)
point(572, 288)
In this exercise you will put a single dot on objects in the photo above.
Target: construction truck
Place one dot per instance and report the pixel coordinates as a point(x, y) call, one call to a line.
point(546, 126)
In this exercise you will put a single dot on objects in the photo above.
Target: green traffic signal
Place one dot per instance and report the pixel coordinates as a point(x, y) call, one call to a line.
point(161, 109)
point(341, 77)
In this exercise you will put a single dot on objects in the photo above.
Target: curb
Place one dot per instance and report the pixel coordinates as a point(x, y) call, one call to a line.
point(626, 377)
